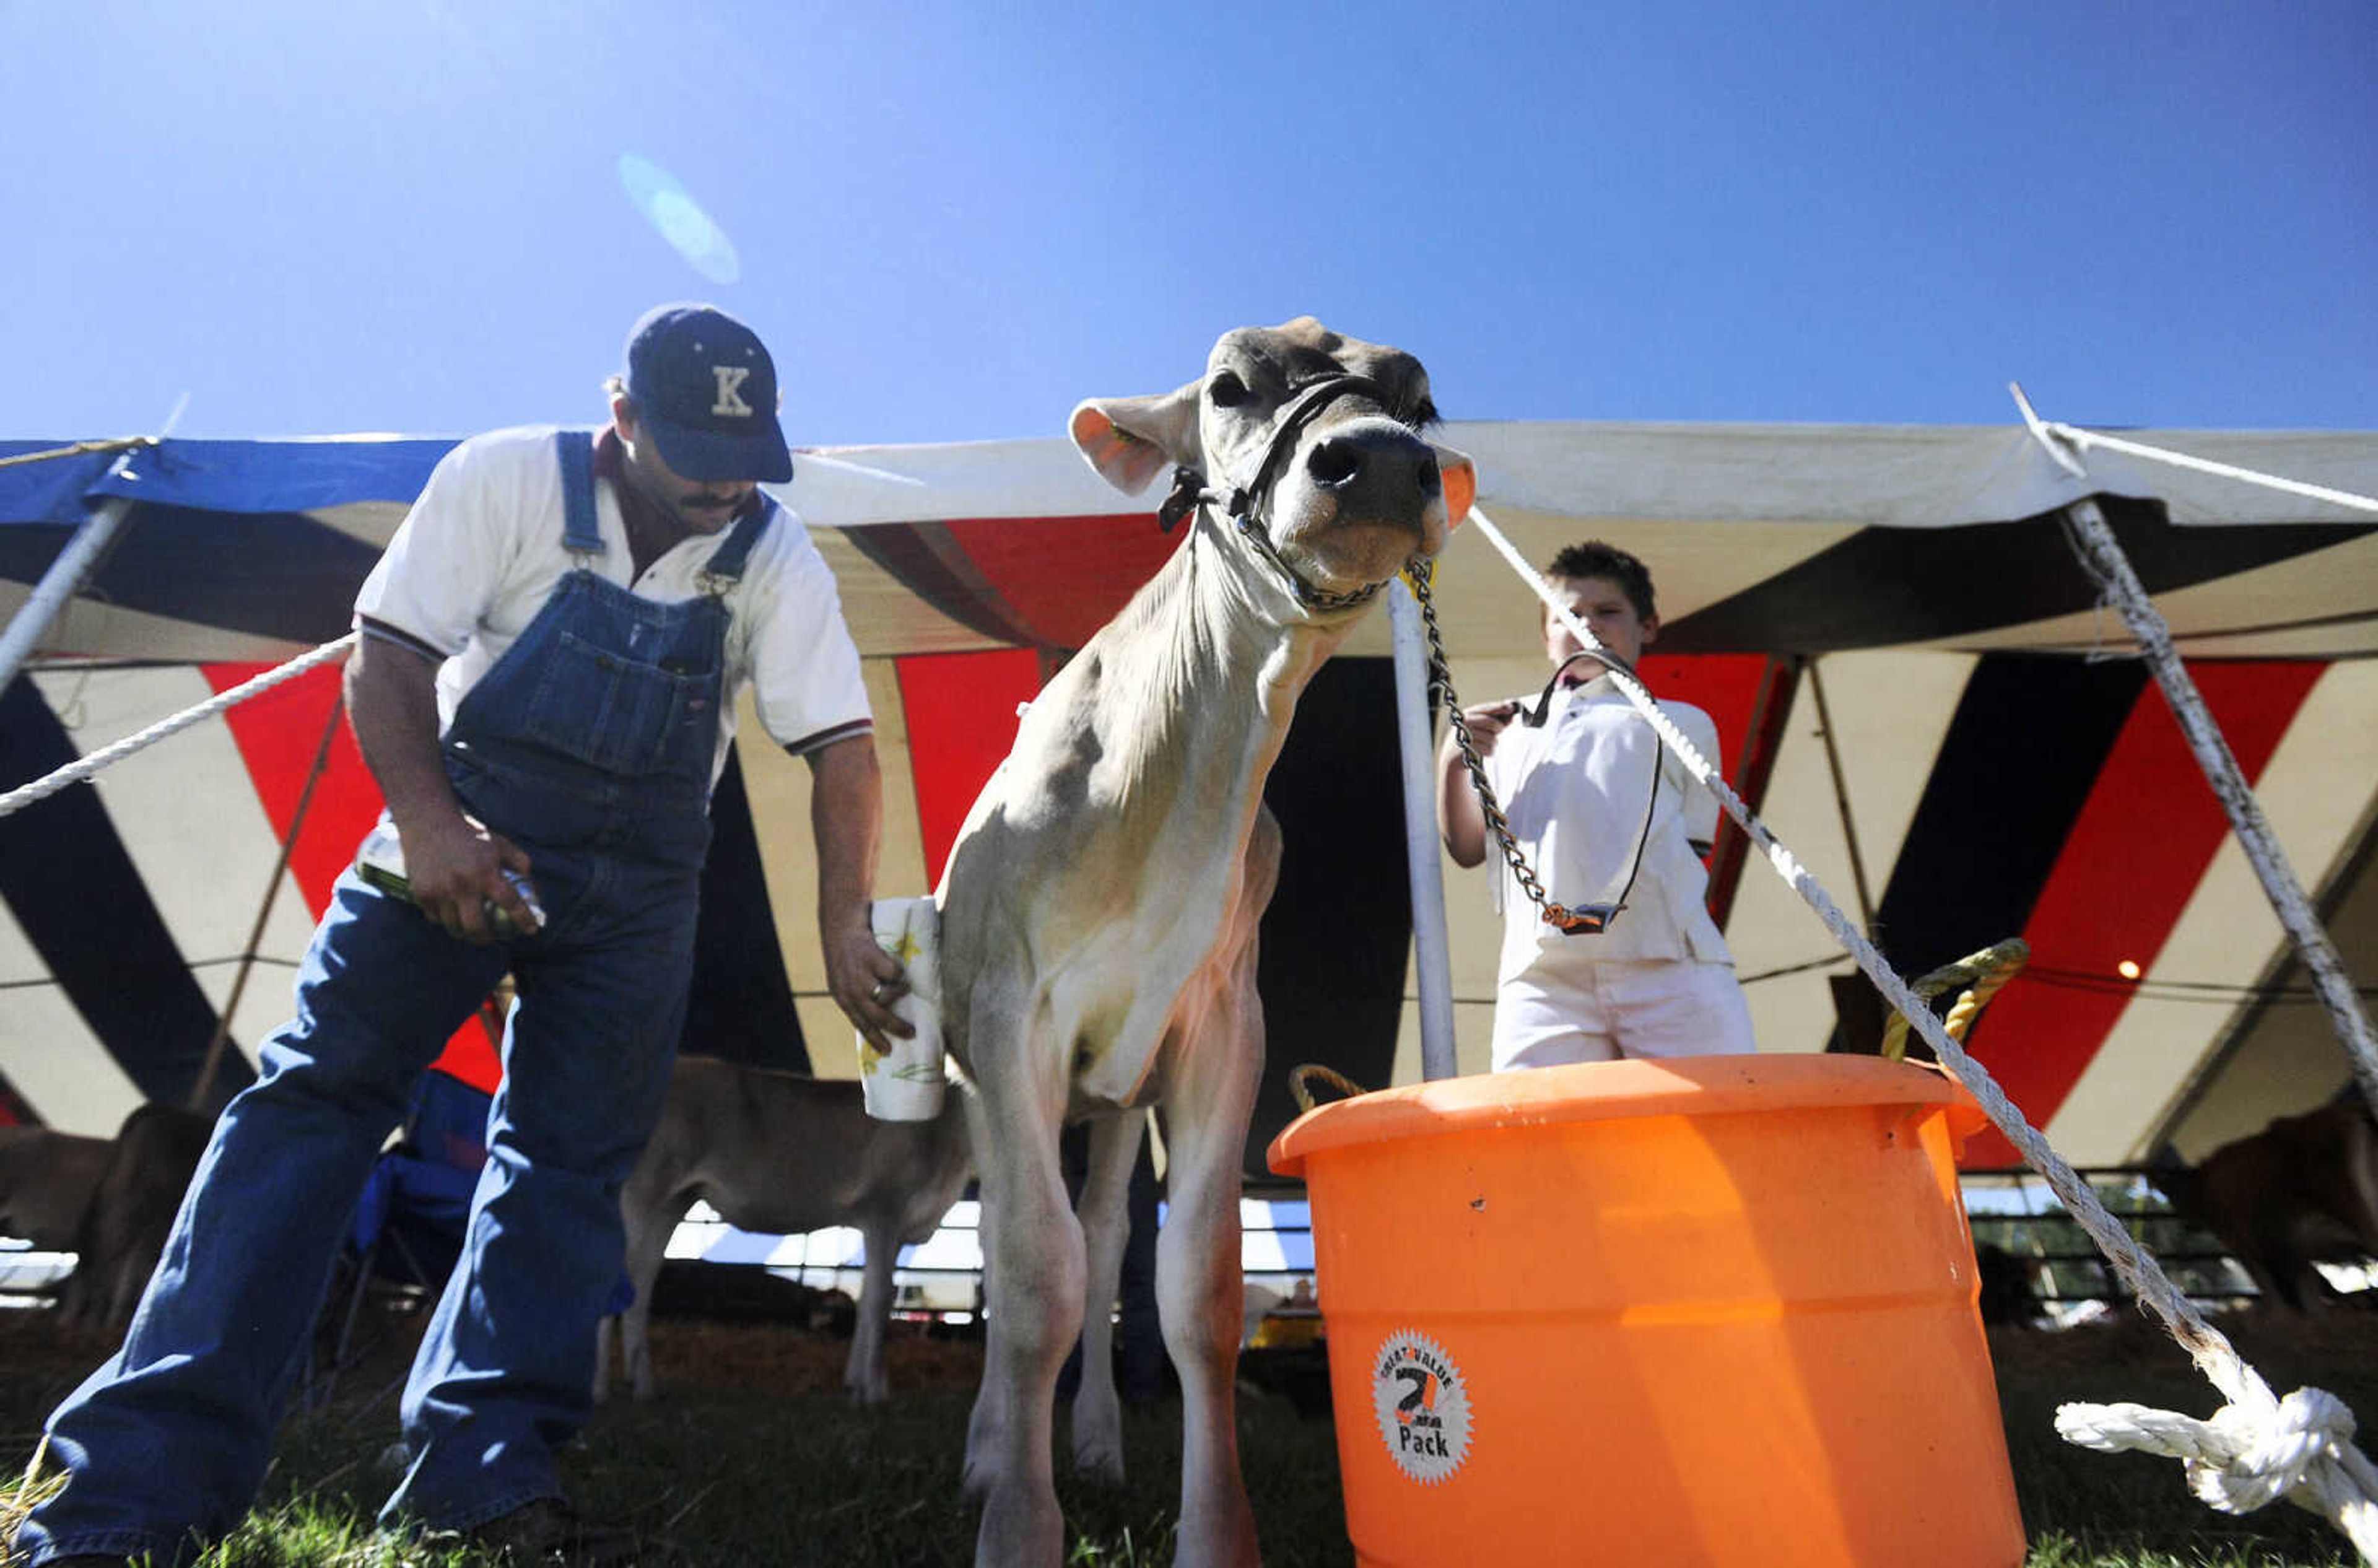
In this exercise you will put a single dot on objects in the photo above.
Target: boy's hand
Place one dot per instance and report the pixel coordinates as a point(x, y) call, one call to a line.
point(1487, 721)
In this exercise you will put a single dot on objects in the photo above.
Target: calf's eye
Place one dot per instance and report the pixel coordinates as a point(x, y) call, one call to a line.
point(1226, 390)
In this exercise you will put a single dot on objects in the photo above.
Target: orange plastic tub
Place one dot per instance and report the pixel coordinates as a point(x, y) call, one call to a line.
point(1711, 1310)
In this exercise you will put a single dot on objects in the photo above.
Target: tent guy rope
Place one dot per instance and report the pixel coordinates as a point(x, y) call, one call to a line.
point(2101, 557)
point(75, 771)
point(79, 449)
point(2266, 1448)
point(2086, 439)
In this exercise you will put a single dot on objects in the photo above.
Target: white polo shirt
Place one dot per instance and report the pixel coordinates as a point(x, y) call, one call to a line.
point(481, 551)
point(1574, 793)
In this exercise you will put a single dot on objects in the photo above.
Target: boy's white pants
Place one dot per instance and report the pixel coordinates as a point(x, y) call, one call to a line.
point(1615, 1008)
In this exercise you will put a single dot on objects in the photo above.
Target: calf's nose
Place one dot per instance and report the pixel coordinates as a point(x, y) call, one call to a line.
point(1379, 470)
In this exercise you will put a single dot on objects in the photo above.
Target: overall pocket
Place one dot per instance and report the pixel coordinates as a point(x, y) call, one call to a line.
point(619, 715)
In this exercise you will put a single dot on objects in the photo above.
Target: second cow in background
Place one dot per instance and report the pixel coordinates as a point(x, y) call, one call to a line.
point(780, 1153)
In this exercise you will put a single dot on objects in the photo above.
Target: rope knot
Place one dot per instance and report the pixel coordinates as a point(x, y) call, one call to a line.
point(2275, 1451)
point(2246, 1457)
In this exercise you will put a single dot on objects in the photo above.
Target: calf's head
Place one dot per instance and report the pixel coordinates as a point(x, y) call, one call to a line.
point(1311, 440)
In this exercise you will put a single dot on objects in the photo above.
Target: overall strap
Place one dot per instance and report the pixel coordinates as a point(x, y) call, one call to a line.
point(725, 564)
point(580, 534)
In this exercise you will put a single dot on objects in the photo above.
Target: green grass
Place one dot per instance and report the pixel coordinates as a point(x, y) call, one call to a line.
point(2064, 1551)
point(752, 1458)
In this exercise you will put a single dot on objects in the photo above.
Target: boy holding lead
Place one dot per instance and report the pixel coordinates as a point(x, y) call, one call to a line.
point(1614, 827)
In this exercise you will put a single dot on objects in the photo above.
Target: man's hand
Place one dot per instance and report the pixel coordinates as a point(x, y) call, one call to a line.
point(456, 868)
point(867, 983)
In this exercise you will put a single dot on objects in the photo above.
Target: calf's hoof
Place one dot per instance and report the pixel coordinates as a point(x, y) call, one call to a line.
point(1098, 1440)
point(1102, 1463)
point(1221, 1538)
point(1020, 1530)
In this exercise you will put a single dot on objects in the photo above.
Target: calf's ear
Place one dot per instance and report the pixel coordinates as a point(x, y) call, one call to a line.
point(1131, 440)
point(1461, 480)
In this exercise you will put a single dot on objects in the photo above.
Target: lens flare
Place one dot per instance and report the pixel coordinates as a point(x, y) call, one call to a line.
point(678, 219)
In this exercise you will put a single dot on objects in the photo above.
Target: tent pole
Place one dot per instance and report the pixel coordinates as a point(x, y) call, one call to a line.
point(1432, 956)
point(206, 1083)
point(2093, 540)
point(64, 578)
point(1842, 801)
point(1779, 682)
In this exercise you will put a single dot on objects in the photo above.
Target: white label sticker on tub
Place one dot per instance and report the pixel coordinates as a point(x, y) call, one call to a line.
point(1423, 1403)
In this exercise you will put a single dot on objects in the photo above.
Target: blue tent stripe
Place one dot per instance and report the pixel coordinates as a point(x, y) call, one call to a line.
point(278, 476)
point(1331, 952)
point(1882, 586)
point(72, 886)
point(49, 491)
point(740, 1007)
point(268, 574)
point(2021, 756)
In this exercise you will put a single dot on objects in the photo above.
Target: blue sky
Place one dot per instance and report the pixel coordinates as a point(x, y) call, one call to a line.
point(951, 221)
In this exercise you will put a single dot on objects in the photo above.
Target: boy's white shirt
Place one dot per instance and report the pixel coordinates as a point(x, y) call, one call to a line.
point(1574, 793)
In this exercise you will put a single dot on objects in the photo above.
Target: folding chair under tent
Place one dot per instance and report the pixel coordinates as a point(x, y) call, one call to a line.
point(408, 1223)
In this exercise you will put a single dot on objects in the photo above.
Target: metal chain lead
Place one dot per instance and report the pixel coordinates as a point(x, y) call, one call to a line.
point(1440, 680)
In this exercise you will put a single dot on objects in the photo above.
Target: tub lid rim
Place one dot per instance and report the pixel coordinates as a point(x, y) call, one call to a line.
point(1602, 1091)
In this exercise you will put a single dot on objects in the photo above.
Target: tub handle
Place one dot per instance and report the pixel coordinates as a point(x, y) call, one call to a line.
point(1985, 971)
point(1300, 1081)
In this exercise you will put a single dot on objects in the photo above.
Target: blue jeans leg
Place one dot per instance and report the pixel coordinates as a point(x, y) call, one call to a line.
point(506, 1372)
point(171, 1436)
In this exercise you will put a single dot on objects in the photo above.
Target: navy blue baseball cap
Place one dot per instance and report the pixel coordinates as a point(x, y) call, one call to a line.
point(703, 385)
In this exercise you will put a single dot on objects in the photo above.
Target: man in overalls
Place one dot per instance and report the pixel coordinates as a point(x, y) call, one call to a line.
point(553, 645)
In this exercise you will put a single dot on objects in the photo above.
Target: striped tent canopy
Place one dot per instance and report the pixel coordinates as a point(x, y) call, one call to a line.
point(1917, 686)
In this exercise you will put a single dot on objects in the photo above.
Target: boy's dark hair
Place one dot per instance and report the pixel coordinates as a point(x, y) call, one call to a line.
point(1595, 559)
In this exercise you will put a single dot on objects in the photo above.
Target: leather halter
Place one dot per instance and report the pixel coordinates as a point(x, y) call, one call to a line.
point(1248, 506)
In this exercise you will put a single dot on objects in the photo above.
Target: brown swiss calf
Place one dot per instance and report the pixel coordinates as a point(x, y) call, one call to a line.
point(2303, 1190)
point(780, 1153)
point(123, 1232)
point(46, 1180)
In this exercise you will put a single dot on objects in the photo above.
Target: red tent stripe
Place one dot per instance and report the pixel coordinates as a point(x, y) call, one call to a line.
point(961, 717)
point(1723, 685)
point(277, 734)
point(2137, 852)
point(1066, 576)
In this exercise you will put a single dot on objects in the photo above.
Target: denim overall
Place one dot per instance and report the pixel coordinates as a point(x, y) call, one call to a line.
point(590, 745)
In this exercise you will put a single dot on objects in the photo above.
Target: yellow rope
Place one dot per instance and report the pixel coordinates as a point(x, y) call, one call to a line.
point(1983, 972)
point(1299, 1083)
point(121, 443)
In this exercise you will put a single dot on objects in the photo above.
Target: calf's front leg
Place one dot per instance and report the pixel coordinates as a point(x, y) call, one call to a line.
point(1106, 1227)
point(1033, 1254)
point(1199, 1283)
point(863, 1375)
